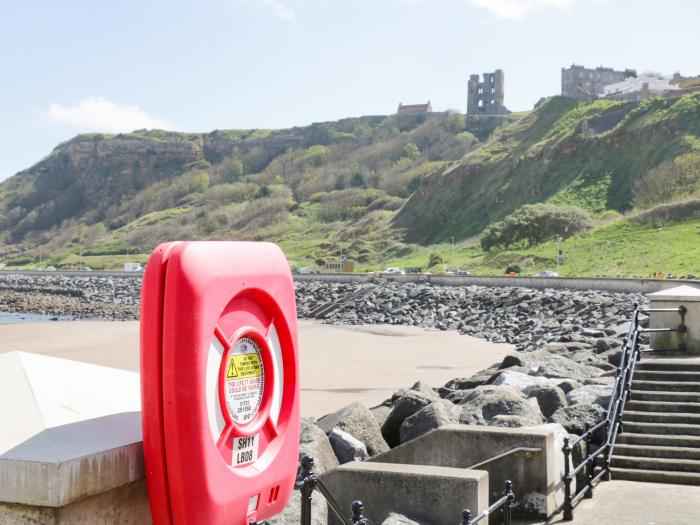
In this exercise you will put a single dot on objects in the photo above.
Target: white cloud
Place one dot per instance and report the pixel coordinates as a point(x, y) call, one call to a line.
point(100, 114)
point(279, 8)
point(518, 9)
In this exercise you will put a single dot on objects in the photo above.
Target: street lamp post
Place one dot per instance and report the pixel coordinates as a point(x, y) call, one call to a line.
point(452, 254)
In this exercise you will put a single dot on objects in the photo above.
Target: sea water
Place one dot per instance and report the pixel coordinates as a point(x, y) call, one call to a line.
point(13, 318)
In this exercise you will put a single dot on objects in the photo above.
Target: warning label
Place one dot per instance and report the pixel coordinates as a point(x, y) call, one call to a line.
point(245, 450)
point(243, 366)
point(245, 381)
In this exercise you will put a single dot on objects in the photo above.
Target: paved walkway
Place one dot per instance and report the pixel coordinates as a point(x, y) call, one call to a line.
point(635, 503)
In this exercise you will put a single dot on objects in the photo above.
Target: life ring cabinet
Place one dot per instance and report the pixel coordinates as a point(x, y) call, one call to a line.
point(219, 382)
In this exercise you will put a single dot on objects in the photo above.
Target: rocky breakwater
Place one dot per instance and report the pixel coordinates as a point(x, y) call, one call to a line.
point(80, 297)
point(524, 317)
point(569, 348)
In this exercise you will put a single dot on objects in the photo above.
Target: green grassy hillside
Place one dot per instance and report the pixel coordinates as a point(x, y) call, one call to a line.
point(384, 190)
point(586, 154)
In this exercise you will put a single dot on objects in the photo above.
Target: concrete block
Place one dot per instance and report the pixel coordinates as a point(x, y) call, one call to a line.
point(687, 296)
point(71, 431)
point(536, 476)
point(124, 505)
point(430, 494)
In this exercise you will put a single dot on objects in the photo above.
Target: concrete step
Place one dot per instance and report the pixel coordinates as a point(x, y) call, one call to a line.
point(665, 386)
point(665, 464)
point(652, 451)
point(656, 476)
point(669, 397)
point(661, 417)
point(662, 406)
point(661, 375)
point(668, 440)
point(672, 365)
point(639, 427)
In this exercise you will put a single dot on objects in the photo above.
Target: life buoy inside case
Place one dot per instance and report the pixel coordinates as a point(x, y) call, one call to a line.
point(220, 392)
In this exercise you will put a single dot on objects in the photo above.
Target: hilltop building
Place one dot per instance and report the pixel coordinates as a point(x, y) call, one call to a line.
point(582, 83)
point(639, 88)
point(414, 108)
point(486, 98)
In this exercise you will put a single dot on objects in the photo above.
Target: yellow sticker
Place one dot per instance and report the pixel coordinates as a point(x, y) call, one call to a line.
point(243, 366)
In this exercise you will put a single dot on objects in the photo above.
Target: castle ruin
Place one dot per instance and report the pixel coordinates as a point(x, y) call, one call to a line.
point(582, 83)
point(486, 98)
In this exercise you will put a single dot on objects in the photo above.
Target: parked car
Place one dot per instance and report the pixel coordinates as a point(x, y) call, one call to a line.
point(306, 271)
point(394, 270)
point(462, 273)
point(547, 273)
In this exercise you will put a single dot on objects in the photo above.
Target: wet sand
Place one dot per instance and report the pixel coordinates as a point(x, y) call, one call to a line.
point(339, 364)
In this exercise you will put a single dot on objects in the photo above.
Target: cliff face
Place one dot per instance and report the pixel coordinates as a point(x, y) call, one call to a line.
point(85, 177)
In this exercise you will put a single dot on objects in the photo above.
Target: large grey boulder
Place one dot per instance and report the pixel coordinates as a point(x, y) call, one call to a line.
point(394, 518)
point(357, 420)
point(605, 344)
point(484, 377)
point(550, 398)
point(561, 367)
point(380, 413)
point(575, 418)
point(589, 395)
point(485, 403)
point(524, 383)
point(314, 442)
point(430, 417)
point(346, 447)
point(405, 406)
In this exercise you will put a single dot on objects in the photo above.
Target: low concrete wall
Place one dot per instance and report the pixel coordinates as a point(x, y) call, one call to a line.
point(642, 286)
point(431, 494)
point(688, 341)
point(536, 477)
point(125, 505)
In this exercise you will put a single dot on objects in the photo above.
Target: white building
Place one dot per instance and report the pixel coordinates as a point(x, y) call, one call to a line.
point(635, 89)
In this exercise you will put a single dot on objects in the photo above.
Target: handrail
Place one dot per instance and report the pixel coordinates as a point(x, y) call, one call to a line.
point(307, 482)
point(505, 501)
point(503, 455)
point(612, 422)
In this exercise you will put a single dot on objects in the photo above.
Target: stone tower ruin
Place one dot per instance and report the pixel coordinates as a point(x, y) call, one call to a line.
point(486, 98)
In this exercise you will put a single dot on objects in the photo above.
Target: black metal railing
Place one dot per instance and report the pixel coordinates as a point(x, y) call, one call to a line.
point(307, 482)
point(585, 472)
point(505, 503)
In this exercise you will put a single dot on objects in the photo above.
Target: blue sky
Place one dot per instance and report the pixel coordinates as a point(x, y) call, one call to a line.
point(78, 66)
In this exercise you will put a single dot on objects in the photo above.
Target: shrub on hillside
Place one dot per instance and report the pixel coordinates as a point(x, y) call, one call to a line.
point(535, 223)
point(671, 212)
point(668, 181)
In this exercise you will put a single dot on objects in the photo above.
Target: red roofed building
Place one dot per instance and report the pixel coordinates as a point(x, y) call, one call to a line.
point(415, 108)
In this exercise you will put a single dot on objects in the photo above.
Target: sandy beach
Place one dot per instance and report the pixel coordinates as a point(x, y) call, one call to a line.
point(339, 364)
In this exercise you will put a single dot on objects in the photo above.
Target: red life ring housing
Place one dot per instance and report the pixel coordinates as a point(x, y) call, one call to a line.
point(219, 381)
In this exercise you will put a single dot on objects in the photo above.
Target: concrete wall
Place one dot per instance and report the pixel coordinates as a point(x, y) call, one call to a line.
point(688, 341)
point(536, 476)
point(607, 284)
point(125, 505)
point(431, 494)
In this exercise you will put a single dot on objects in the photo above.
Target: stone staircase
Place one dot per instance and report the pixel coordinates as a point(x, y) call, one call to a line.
point(661, 438)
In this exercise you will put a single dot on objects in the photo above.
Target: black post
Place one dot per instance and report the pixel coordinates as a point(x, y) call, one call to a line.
point(357, 518)
point(588, 471)
point(305, 484)
point(466, 517)
point(508, 506)
point(568, 509)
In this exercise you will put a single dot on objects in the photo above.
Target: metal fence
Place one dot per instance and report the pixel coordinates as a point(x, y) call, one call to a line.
point(307, 482)
point(585, 472)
